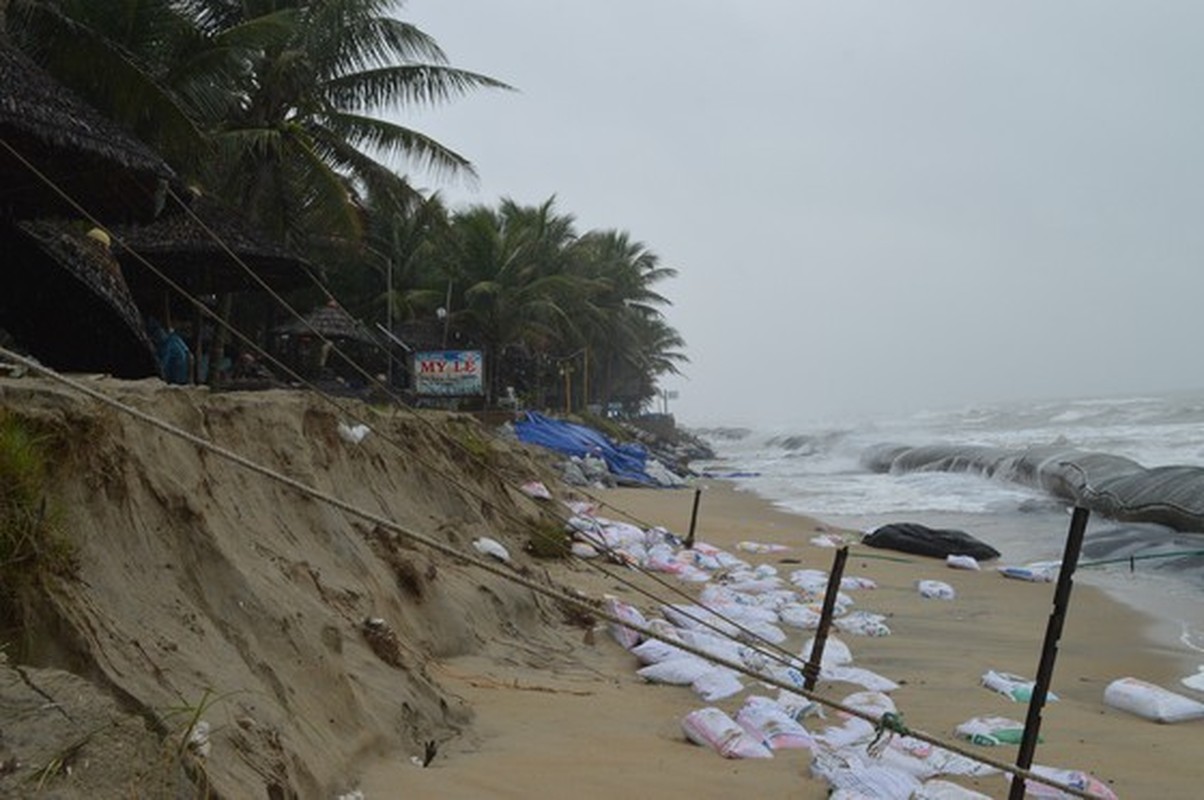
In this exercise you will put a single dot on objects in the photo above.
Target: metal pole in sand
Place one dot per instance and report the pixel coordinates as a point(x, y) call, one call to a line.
point(1049, 652)
point(811, 668)
point(693, 520)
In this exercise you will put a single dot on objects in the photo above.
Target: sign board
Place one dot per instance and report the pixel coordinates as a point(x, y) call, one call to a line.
point(449, 373)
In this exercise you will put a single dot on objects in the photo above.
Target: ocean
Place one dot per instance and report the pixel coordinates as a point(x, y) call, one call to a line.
point(833, 471)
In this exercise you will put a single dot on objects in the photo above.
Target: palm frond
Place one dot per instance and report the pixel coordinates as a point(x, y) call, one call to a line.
point(392, 140)
point(404, 84)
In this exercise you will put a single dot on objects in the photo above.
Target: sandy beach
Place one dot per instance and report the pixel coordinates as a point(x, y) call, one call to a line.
point(583, 723)
point(323, 649)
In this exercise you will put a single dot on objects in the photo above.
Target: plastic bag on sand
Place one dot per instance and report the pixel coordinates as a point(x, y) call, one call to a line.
point(1036, 573)
point(710, 727)
point(717, 683)
point(625, 636)
point(354, 434)
point(1151, 702)
point(937, 789)
point(769, 723)
point(938, 590)
point(990, 731)
point(492, 548)
point(1012, 686)
point(1082, 781)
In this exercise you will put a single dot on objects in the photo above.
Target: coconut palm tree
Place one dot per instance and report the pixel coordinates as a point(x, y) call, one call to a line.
point(615, 316)
point(307, 135)
point(512, 291)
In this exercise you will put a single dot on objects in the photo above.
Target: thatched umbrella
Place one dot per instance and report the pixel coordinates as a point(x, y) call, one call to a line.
point(298, 343)
point(106, 170)
point(331, 321)
point(194, 251)
point(62, 296)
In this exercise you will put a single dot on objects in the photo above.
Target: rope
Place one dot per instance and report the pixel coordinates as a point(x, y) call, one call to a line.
point(590, 607)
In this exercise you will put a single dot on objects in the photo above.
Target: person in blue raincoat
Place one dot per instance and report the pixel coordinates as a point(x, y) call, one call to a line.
point(173, 355)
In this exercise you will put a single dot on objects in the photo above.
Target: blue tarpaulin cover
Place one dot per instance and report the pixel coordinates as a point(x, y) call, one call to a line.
point(625, 461)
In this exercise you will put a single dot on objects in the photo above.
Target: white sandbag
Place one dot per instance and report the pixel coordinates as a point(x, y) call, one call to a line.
point(583, 550)
point(764, 632)
point(852, 732)
point(770, 724)
point(863, 623)
point(954, 561)
point(846, 771)
point(760, 547)
point(799, 616)
point(746, 614)
point(717, 683)
point(947, 762)
point(798, 707)
point(662, 558)
point(990, 731)
point(756, 585)
point(937, 789)
point(873, 703)
point(1151, 702)
point(697, 618)
point(720, 647)
point(625, 636)
point(654, 651)
point(836, 652)
point(681, 671)
point(1083, 781)
point(855, 582)
point(664, 629)
point(1012, 686)
point(1194, 681)
point(938, 590)
point(812, 580)
point(862, 677)
point(711, 727)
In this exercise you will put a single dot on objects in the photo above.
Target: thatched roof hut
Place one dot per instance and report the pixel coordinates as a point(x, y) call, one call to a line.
point(109, 172)
point(62, 296)
point(191, 249)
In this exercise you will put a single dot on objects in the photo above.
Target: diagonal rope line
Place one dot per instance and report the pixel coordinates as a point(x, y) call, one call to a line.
point(494, 569)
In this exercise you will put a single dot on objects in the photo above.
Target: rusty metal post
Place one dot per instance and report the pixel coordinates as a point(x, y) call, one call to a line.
point(1049, 651)
point(693, 520)
point(811, 668)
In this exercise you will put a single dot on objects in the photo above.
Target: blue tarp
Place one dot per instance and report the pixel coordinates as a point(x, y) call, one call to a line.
point(625, 461)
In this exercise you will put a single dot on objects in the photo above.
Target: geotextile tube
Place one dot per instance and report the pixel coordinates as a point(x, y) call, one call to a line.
point(1113, 486)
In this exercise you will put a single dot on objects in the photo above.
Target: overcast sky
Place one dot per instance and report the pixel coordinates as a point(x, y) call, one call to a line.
point(874, 207)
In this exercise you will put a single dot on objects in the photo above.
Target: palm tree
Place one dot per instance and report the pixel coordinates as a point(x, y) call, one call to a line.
point(622, 311)
point(306, 136)
point(513, 291)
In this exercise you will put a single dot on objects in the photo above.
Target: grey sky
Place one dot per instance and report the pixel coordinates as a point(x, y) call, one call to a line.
point(874, 207)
